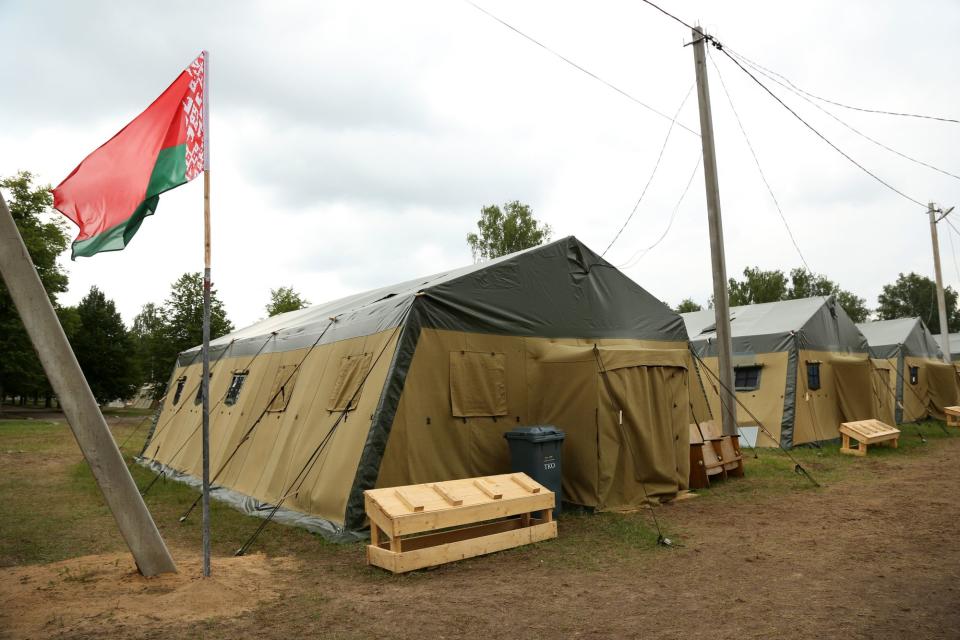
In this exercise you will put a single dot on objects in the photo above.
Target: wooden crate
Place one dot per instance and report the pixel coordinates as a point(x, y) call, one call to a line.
point(953, 416)
point(424, 525)
point(867, 432)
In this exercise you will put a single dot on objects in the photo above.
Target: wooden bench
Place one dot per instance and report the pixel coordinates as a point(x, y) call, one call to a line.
point(704, 460)
point(713, 454)
point(729, 452)
point(424, 525)
point(953, 416)
point(866, 432)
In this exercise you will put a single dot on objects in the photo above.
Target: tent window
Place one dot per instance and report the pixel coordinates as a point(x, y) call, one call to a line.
point(181, 381)
point(747, 378)
point(197, 399)
point(282, 389)
point(813, 376)
point(236, 384)
point(478, 384)
point(346, 390)
point(914, 375)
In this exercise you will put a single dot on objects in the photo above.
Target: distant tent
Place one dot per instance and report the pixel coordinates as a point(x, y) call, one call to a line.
point(954, 343)
point(923, 383)
point(144, 398)
point(418, 382)
point(801, 367)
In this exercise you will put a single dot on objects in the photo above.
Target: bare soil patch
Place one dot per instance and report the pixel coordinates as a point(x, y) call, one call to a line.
point(100, 592)
point(869, 555)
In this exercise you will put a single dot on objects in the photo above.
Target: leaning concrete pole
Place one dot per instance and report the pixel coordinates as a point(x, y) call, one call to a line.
point(941, 300)
point(728, 402)
point(97, 444)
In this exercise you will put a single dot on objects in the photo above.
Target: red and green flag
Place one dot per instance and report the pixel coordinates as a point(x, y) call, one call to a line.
point(110, 193)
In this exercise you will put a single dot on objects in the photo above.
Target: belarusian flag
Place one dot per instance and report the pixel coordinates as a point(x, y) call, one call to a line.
point(110, 193)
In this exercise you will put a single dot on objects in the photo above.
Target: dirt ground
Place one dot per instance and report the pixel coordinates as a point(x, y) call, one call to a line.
point(872, 554)
point(88, 593)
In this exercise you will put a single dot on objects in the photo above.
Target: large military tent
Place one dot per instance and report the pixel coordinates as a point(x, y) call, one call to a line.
point(418, 382)
point(922, 382)
point(801, 367)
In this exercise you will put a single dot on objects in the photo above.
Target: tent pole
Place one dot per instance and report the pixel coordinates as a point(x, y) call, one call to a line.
point(96, 442)
point(721, 304)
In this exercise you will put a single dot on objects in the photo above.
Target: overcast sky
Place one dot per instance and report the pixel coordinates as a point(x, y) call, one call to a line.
point(354, 143)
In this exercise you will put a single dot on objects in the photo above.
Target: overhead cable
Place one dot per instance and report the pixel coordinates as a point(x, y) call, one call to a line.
point(656, 165)
point(638, 256)
point(580, 68)
point(792, 89)
point(756, 161)
point(814, 130)
point(840, 104)
point(828, 101)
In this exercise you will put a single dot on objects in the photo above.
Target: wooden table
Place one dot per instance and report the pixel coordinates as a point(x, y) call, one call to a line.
point(867, 432)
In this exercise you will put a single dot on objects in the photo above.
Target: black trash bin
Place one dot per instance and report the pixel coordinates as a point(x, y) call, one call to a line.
point(535, 451)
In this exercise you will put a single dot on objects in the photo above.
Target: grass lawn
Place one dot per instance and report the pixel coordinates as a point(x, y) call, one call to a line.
point(52, 510)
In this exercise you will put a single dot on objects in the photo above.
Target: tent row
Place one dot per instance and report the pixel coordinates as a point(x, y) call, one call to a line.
point(418, 383)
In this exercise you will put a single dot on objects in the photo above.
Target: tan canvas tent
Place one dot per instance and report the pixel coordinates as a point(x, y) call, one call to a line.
point(418, 382)
point(922, 382)
point(801, 367)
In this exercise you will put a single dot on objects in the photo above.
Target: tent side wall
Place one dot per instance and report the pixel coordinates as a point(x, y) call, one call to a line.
point(444, 428)
point(261, 453)
point(766, 402)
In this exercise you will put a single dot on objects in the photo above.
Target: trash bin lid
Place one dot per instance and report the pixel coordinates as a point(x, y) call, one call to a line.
point(537, 433)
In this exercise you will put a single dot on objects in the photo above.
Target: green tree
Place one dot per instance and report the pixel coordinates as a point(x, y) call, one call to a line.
point(45, 237)
point(285, 299)
point(103, 348)
point(182, 329)
point(805, 284)
point(757, 286)
point(503, 231)
point(687, 305)
point(147, 333)
point(915, 295)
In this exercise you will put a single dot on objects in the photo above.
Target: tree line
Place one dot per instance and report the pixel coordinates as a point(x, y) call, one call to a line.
point(116, 359)
point(911, 295)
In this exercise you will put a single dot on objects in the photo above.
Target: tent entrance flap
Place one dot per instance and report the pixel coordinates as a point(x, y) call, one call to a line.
point(643, 438)
point(856, 393)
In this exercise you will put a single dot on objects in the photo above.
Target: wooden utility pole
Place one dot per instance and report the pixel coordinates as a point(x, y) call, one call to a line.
point(73, 393)
point(728, 403)
point(941, 300)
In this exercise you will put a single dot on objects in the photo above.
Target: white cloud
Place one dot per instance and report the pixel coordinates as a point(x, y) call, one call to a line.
point(354, 143)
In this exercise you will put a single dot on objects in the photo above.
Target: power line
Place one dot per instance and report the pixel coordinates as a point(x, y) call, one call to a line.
point(840, 104)
point(789, 87)
point(814, 130)
point(581, 69)
point(756, 161)
point(652, 173)
point(668, 14)
point(636, 257)
point(833, 102)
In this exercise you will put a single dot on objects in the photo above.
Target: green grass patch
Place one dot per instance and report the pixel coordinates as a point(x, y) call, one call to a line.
point(30, 436)
point(52, 509)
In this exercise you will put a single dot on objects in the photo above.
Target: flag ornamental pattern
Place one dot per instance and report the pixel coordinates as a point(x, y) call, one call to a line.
point(114, 188)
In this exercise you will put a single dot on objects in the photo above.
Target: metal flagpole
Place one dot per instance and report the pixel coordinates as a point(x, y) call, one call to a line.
point(205, 380)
